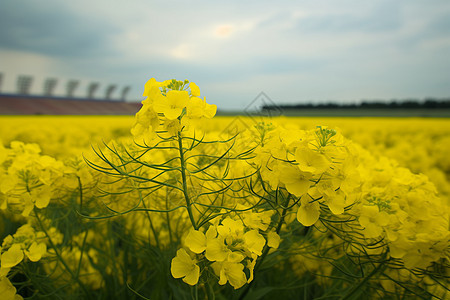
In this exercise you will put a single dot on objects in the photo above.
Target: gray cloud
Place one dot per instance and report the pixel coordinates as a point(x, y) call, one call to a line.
point(382, 18)
point(52, 29)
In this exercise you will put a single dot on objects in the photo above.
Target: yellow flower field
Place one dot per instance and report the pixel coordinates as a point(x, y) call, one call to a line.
point(420, 144)
point(178, 203)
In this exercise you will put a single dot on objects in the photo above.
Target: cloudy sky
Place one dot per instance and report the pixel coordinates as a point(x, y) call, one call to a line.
point(294, 51)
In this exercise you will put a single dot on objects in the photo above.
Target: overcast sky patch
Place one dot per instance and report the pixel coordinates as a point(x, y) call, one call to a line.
point(294, 51)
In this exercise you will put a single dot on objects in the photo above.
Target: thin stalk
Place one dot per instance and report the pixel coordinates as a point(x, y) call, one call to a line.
point(266, 248)
point(82, 251)
point(183, 177)
point(76, 278)
point(152, 227)
point(168, 220)
point(80, 189)
point(361, 284)
point(194, 292)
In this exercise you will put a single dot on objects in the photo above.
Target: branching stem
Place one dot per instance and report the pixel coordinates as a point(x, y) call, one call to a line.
point(183, 178)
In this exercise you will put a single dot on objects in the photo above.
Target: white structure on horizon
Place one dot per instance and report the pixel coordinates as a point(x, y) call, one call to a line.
point(24, 87)
point(124, 93)
point(92, 88)
point(71, 86)
point(109, 91)
point(24, 84)
point(49, 86)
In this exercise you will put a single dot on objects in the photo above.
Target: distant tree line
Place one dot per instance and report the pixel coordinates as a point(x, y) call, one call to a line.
point(429, 103)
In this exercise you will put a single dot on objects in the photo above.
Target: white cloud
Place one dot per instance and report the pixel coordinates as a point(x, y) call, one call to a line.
point(224, 31)
point(182, 51)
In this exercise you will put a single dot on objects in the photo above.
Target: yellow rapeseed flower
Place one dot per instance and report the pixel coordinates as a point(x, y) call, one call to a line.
point(230, 272)
point(195, 90)
point(254, 241)
point(309, 212)
point(196, 241)
point(183, 266)
point(172, 104)
point(12, 257)
point(198, 108)
point(311, 161)
point(36, 251)
point(296, 181)
point(151, 87)
point(7, 290)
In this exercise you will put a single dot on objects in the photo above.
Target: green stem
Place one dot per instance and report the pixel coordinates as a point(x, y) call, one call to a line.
point(210, 291)
point(82, 251)
point(152, 227)
point(76, 278)
point(183, 177)
point(168, 220)
point(361, 284)
point(194, 292)
point(266, 248)
point(80, 188)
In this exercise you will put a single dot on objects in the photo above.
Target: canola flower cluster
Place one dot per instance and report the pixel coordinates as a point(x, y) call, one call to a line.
point(180, 210)
point(420, 145)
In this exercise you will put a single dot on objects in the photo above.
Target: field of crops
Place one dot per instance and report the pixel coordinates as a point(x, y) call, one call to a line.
point(178, 204)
